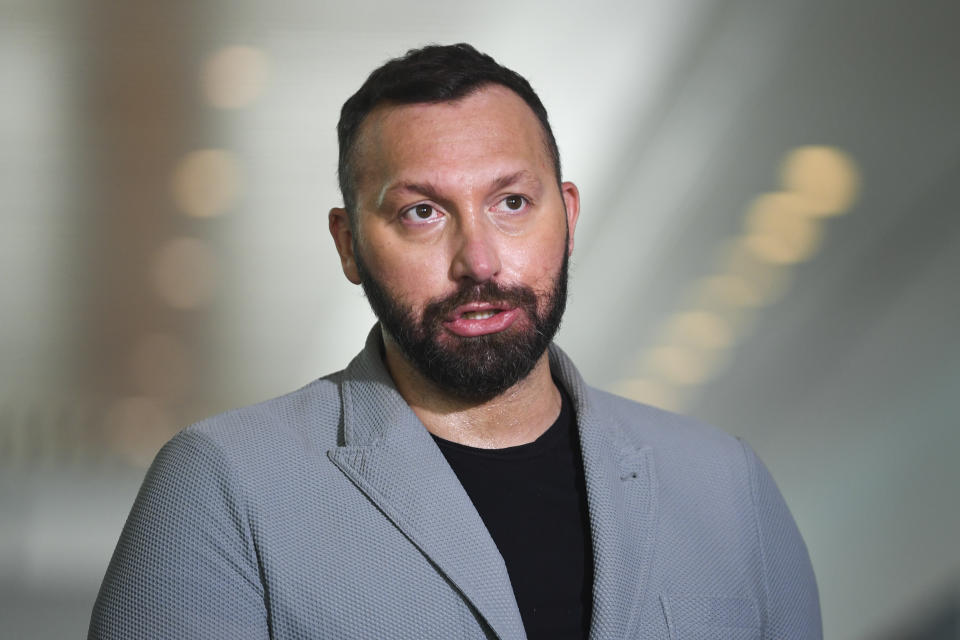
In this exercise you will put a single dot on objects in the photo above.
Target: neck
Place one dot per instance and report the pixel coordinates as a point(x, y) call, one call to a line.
point(517, 416)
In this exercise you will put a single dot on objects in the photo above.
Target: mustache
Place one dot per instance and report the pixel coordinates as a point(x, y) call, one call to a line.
point(489, 291)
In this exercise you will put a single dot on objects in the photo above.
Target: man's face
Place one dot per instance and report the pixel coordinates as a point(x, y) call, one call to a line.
point(461, 238)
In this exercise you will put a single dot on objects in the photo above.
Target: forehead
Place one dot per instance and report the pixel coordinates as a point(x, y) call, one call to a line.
point(489, 130)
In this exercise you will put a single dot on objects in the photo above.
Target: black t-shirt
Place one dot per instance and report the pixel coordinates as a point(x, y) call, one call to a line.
point(533, 500)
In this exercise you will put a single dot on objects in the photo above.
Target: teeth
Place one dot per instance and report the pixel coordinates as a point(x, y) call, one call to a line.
point(479, 315)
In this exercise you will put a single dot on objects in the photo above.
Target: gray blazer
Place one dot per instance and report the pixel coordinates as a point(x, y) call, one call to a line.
point(331, 513)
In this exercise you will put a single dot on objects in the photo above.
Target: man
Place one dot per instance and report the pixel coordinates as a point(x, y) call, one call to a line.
point(458, 479)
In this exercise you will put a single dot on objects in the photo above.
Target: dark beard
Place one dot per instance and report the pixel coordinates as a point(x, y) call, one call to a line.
point(471, 368)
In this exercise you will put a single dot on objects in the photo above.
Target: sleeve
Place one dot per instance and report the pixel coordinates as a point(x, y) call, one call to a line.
point(792, 607)
point(185, 565)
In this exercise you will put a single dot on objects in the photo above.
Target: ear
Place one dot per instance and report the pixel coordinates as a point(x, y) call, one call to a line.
point(571, 202)
point(343, 237)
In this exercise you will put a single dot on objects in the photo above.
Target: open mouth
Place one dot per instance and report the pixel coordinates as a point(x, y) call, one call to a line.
point(478, 318)
point(480, 315)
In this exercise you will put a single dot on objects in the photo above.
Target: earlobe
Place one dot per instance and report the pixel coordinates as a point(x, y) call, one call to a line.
point(571, 203)
point(339, 223)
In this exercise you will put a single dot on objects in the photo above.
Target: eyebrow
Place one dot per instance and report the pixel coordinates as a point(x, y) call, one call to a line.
point(429, 190)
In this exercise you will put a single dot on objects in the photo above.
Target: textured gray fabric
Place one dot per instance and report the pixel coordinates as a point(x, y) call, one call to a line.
point(331, 513)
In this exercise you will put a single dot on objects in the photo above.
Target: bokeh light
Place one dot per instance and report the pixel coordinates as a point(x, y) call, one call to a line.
point(652, 392)
point(702, 329)
point(184, 272)
point(826, 179)
point(234, 76)
point(726, 290)
point(766, 281)
point(679, 365)
point(205, 183)
point(778, 229)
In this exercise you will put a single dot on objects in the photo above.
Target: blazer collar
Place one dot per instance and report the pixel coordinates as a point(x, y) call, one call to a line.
point(391, 457)
point(621, 495)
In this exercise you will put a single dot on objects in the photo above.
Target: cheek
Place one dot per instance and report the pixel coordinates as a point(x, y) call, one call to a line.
point(537, 262)
point(412, 276)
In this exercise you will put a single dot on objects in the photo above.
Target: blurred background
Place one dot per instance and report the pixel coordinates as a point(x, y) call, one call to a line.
point(769, 241)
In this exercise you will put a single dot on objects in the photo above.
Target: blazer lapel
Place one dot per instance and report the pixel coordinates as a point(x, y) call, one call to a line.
point(389, 455)
point(621, 494)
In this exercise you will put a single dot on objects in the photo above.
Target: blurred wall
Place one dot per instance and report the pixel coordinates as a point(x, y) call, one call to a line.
point(769, 241)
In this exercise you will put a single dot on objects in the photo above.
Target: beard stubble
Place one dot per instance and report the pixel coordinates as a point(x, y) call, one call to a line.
point(476, 368)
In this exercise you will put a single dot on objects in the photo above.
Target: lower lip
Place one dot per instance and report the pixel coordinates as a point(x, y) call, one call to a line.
point(473, 327)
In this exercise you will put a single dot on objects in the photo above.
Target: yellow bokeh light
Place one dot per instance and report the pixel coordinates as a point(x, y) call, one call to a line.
point(652, 392)
point(701, 329)
point(205, 183)
point(726, 290)
point(766, 281)
point(184, 273)
point(825, 178)
point(234, 77)
point(679, 365)
point(779, 231)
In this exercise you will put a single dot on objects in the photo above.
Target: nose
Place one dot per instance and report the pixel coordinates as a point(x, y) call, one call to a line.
point(476, 255)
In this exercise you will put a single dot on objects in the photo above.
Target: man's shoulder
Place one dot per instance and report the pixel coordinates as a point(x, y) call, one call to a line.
point(654, 426)
point(677, 441)
point(307, 418)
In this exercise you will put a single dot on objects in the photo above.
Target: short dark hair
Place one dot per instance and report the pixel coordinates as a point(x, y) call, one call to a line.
point(433, 73)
